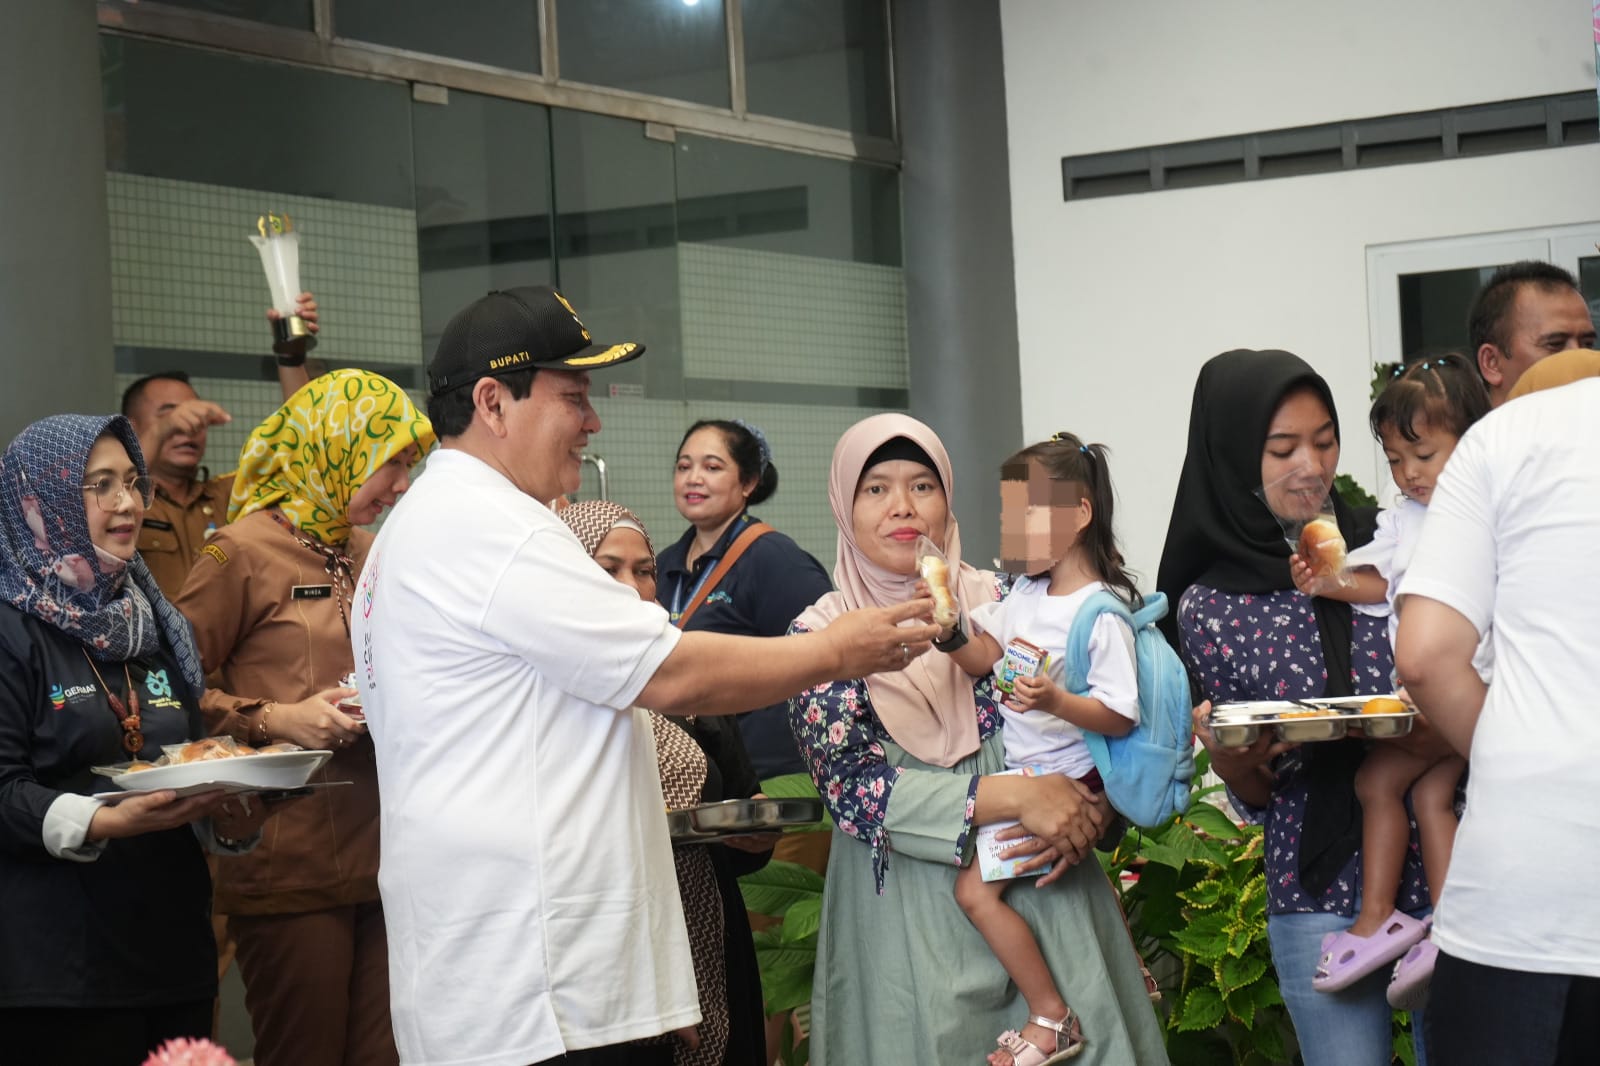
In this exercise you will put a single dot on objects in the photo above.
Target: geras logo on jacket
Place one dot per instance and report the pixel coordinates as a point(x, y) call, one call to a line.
point(58, 698)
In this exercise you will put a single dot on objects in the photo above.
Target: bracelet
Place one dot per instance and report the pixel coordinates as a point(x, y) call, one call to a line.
point(266, 709)
point(292, 359)
point(954, 642)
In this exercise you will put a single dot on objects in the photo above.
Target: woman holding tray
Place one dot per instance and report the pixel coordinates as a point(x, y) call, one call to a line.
point(701, 761)
point(270, 599)
point(1246, 633)
point(105, 945)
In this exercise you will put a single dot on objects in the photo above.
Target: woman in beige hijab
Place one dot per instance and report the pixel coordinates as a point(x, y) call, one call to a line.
point(900, 760)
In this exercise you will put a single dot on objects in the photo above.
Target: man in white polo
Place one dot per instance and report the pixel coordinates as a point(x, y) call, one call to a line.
point(527, 876)
point(1509, 548)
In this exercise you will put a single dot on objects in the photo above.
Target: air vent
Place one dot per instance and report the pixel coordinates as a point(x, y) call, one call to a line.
point(1390, 140)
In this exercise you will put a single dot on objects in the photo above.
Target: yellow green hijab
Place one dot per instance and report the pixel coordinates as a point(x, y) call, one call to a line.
point(311, 456)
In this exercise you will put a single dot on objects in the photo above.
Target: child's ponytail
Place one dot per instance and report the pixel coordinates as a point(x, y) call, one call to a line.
point(1066, 458)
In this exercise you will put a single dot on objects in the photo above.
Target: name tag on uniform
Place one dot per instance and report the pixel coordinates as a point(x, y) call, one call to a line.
point(311, 592)
point(156, 523)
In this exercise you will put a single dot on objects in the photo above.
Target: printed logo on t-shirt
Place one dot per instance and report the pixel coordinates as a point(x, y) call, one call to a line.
point(719, 596)
point(60, 697)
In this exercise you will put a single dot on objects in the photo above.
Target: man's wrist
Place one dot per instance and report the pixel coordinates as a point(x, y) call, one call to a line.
point(290, 360)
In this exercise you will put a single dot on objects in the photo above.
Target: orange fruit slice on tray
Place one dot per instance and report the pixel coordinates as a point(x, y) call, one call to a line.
point(1383, 705)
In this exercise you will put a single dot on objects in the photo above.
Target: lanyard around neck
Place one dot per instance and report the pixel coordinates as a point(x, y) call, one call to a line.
point(680, 601)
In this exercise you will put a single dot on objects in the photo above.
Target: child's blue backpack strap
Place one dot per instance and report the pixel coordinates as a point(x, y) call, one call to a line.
point(1148, 771)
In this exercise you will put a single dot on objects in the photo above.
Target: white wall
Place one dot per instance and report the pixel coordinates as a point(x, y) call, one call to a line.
point(1119, 300)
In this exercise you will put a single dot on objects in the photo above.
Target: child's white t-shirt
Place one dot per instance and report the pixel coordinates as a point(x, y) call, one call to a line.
point(1039, 738)
point(1390, 553)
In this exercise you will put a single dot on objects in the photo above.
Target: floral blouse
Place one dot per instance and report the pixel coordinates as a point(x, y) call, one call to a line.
point(1266, 647)
point(841, 740)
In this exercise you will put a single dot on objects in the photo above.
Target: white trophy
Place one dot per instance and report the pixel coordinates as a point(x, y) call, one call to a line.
point(279, 246)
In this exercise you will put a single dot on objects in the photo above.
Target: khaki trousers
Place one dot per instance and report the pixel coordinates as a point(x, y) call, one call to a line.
point(317, 986)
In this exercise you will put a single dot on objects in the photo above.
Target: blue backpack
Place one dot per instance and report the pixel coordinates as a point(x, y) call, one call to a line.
point(1147, 772)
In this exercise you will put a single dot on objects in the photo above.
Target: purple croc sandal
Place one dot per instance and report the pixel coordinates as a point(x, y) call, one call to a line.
point(1347, 958)
point(1408, 988)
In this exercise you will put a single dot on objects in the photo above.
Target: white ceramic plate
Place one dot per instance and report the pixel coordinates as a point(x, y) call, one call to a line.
point(283, 769)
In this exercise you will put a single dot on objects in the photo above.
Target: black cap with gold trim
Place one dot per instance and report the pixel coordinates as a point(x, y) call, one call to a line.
point(517, 329)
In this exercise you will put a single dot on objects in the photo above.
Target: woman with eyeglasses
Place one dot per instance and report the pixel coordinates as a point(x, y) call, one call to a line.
point(105, 938)
point(271, 600)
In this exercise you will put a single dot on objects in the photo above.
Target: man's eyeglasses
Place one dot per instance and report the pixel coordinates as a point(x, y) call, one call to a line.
point(108, 491)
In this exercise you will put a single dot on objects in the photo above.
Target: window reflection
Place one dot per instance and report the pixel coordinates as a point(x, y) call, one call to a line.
point(661, 47)
point(293, 13)
point(483, 202)
point(825, 62)
point(499, 33)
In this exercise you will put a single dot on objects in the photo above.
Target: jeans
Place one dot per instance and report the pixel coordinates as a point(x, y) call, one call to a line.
point(1482, 1014)
point(1347, 1028)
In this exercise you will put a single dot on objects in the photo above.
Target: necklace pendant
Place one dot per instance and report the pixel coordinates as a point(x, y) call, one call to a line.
point(133, 742)
point(131, 723)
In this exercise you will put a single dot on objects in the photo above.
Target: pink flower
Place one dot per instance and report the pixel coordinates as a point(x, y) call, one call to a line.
point(186, 1052)
point(836, 733)
point(813, 714)
point(877, 786)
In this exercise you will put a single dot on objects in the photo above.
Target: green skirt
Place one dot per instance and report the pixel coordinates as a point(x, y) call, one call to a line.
point(905, 978)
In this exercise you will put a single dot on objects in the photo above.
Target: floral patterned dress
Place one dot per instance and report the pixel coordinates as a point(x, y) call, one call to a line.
point(901, 974)
point(1266, 647)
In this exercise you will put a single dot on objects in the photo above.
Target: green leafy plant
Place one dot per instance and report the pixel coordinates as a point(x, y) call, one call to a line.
point(786, 952)
point(1198, 912)
point(1350, 490)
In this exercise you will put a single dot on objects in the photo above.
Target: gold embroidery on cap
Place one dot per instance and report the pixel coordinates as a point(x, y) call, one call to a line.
point(610, 355)
point(573, 312)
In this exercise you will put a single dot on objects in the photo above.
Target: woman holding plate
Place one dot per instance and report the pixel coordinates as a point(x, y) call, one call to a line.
point(105, 945)
point(270, 599)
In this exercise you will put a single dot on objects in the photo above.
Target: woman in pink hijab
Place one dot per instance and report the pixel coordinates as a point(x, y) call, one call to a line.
point(900, 760)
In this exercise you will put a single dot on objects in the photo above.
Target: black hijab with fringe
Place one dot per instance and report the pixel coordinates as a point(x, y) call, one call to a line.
point(1221, 535)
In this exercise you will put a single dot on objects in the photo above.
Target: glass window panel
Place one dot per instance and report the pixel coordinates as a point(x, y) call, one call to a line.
point(292, 13)
point(500, 33)
point(1434, 308)
point(176, 112)
point(616, 260)
point(483, 202)
point(825, 62)
point(672, 48)
point(753, 197)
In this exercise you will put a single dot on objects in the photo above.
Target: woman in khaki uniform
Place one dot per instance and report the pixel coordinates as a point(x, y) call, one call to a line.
point(270, 599)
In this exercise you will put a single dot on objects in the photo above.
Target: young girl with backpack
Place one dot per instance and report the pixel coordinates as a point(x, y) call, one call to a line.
point(1418, 418)
point(1056, 524)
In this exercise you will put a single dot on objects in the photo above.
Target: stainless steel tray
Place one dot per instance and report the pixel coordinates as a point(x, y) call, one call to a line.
point(1333, 718)
point(736, 817)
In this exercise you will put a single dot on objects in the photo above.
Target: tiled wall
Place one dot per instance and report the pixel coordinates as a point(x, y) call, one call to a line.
point(766, 316)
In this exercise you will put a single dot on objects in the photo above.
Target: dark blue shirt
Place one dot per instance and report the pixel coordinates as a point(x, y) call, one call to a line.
point(767, 588)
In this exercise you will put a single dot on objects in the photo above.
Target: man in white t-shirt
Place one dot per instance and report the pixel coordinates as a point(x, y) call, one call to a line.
point(1509, 548)
point(527, 876)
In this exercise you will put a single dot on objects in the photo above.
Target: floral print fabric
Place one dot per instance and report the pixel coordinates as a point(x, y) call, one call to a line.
point(1241, 646)
point(841, 739)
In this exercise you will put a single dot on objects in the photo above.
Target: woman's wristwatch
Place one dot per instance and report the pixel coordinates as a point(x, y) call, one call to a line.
point(954, 642)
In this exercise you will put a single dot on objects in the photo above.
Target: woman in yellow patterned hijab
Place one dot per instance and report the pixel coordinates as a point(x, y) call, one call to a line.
point(312, 455)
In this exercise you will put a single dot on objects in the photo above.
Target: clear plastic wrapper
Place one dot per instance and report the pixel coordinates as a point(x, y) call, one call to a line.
point(1303, 505)
point(934, 569)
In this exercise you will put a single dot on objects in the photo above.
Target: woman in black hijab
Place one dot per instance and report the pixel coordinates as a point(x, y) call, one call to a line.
point(1262, 421)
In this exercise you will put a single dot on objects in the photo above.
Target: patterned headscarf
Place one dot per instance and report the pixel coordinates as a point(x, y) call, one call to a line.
point(591, 520)
point(51, 569)
point(311, 456)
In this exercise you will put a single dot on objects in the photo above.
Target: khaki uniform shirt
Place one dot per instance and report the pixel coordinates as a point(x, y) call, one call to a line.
point(266, 620)
point(174, 533)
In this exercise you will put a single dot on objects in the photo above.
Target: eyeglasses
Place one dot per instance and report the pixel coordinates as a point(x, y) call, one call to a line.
point(108, 491)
